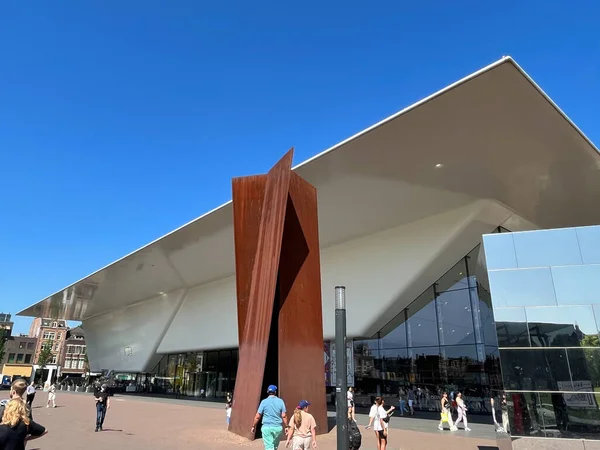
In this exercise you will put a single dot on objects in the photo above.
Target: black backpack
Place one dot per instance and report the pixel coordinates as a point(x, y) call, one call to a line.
point(354, 436)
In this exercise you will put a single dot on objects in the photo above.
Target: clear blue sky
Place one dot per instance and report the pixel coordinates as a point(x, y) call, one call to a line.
point(121, 120)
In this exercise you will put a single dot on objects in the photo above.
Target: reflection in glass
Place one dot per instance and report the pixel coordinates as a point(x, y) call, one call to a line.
point(585, 368)
point(499, 251)
point(396, 365)
point(486, 317)
point(525, 414)
point(535, 369)
point(455, 278)
point(473, 265)
point(461, 366)
point(524, 287)
point(426, 366)
point(511, 327)
point(570, 415)
point(455, 317)
point(422, 321)
point(576, 285)
point(547, 248)
point(589, 244)
point(393, 335)
point(571, 326)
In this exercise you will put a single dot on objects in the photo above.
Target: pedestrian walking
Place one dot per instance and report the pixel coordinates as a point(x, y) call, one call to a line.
point(351, 410)
point(446, 414)
point(273, 414)
point(102, 405)
point(380, 422)
point(51, 396)
point(461, 407)
point(30, 395)
point(302, 432)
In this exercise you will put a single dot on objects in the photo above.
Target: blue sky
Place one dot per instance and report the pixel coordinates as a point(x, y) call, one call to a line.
point(121, 120)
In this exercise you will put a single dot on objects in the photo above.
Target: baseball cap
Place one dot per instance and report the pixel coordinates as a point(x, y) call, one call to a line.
point(303, 404)
point(272, 388)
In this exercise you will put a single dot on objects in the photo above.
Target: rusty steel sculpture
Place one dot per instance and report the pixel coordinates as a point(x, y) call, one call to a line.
point(278, 278)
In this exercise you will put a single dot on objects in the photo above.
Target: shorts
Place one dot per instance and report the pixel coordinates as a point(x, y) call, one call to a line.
point(271, 437)
point(382, 436)
point(410, 403)
point(301, 443)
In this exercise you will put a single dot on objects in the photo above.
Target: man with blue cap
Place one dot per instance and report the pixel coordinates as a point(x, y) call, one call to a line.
point(274, 418)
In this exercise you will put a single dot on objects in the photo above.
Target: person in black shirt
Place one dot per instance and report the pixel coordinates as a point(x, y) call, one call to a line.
point(16, 428)
point(102, 405)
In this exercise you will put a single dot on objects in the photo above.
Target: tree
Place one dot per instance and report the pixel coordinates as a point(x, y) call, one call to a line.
point(45, 357)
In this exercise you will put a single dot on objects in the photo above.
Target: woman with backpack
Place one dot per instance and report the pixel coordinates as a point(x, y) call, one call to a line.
point(380, 422)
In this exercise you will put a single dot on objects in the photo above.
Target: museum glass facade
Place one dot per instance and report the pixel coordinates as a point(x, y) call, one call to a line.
point(547, 314)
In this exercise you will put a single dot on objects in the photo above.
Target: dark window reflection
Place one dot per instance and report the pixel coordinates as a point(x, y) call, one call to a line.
point(426, 365)
point(473, 264)
point(365, 355)
point(455, 278)
point(570, 415)
point(526, 415)
point(396, 365)
point(511, 327)
point(422, 321)
point(535, 369)
point(456, 318)
point(462, 366)
point(572, 326)
point(585, 368)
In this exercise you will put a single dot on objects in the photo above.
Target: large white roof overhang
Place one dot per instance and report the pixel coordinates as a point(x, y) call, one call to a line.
point(495, 133)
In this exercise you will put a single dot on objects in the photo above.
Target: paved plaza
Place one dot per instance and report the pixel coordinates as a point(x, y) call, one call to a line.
point(153, 424)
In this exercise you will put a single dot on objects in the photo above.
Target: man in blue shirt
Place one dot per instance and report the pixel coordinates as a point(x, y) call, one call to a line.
point(273, 414)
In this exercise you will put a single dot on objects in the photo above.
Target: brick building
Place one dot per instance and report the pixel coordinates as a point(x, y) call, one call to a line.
point(74, 361)
point(53, 333)
point(19, 351)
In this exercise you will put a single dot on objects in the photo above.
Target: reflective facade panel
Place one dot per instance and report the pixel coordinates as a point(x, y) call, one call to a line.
point(547, 248)
point(546, 309)
point(522, 287)
point(589, 244)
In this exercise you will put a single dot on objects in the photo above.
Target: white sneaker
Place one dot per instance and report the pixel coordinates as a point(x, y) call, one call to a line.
point(47, 406)
point(467, 429)
point(441, 428)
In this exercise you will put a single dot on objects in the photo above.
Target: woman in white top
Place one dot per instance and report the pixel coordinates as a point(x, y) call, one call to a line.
point(379, 417)
point(51, 396)
point(461, 407)
point(351, 412)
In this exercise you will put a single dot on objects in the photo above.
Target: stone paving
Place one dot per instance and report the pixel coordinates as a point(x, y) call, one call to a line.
point(153, 424)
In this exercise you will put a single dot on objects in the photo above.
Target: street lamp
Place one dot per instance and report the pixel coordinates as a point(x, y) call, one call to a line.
point(341, 383)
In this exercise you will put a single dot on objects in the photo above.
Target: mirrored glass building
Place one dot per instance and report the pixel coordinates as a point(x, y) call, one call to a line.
point(546, 312)
point(403, 206)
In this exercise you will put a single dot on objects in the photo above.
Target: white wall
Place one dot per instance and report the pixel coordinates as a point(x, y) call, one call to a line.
point(206, 320)
point(140, 327)
point(383, 273)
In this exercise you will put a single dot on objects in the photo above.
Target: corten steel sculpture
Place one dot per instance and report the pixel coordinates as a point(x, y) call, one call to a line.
point(278, 279)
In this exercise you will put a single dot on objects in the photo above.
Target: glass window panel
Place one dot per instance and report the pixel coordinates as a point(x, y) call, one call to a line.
point(422, 321)
point(571, 326)
point(486, 317)
point(524, 287)
point(396, 366)
point(462, 366)
point(535, 369)
point(393, 335)
point(525, 414)
point(589, 244)
point(511, 327)
point(426, 366)
point(455, 278)
point(474, 265)
point(455, 318)
point(575, 285)
point(492, 368)
point(547, 248)
point(499, 251)
point(570, 415)
point(212, 359)
point(366, 354)
point(585, 368)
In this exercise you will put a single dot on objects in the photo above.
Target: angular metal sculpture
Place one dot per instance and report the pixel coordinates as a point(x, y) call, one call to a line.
point(278, 277)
